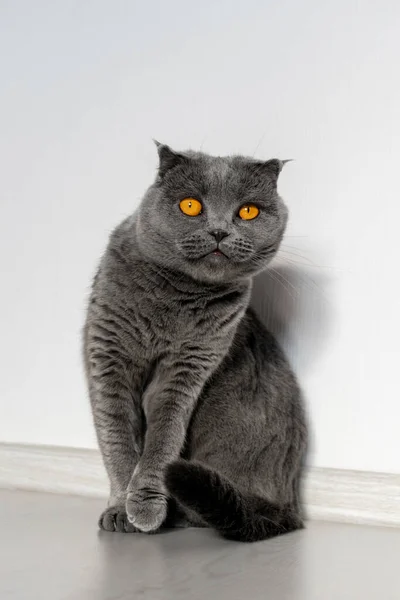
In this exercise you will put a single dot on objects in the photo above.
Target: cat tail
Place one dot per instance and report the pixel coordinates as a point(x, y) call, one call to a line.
point(235, 514)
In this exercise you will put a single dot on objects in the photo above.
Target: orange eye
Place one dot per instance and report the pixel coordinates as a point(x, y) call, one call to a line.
point(249, 212)
point(190, 207)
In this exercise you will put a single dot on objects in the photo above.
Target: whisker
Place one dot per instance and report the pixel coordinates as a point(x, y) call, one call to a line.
point(289, 246)
point(306, 281)
point(279, 274)
point(310, 263)
point(274, 277)
point(259, 143)
point(297, 255)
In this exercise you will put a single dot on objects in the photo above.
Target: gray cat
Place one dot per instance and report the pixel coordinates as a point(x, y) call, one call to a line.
point(198, 415)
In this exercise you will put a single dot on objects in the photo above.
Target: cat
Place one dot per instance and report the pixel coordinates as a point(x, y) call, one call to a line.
point(198, 416)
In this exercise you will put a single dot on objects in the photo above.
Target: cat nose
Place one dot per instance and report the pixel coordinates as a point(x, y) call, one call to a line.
point(219, 234)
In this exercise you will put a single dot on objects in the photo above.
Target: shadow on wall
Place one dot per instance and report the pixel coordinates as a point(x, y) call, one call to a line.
point(292, 302)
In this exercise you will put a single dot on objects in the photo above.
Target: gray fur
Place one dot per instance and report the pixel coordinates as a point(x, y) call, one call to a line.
point(177, 363)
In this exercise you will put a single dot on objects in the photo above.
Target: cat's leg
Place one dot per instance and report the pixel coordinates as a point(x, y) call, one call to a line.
point(119, 429)
point(168, 405)
point(248, 441)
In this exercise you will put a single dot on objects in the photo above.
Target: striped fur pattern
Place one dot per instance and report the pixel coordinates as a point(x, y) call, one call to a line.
point(198, 415)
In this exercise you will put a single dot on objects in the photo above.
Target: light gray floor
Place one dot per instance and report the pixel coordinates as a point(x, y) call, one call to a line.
point(50, 549)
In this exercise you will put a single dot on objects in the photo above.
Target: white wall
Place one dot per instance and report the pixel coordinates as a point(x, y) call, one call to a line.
point(84, 87)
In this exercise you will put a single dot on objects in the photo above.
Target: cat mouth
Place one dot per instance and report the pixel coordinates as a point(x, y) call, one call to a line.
point(217, 252)
point(214, 254)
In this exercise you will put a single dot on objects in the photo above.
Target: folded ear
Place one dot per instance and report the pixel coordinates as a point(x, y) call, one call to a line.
point(168, 158)
point(268, 169)
point(274, 166)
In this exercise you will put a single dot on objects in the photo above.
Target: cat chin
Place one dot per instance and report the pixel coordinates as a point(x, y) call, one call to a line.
point(217, 259)
point(216, 269)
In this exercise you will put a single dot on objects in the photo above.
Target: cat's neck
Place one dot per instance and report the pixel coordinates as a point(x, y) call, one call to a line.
point(184, 284)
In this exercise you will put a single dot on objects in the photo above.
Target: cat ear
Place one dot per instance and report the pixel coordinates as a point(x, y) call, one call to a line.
point(274, 166)
point(168, 158)
point(268, 169)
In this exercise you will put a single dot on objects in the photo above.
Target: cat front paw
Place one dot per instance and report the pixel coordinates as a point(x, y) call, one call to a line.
point(115, 518)
point(146, 509)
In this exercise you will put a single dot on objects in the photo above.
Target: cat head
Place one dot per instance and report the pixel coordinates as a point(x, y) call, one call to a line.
point(216, 219)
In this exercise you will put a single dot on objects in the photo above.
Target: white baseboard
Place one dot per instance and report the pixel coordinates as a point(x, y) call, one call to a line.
point(353, 496)
point(53, 469)
point(331, 494)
